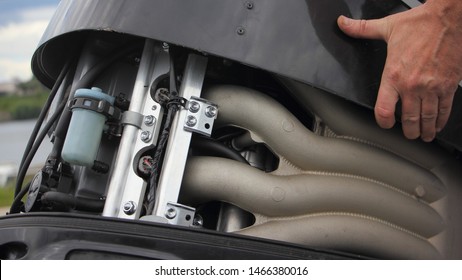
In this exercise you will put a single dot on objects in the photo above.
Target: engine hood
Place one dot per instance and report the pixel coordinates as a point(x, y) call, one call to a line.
point(298, 39)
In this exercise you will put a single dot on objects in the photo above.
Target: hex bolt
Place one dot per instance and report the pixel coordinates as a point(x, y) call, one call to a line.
point(198, 221)
point(170, 213)
point(145, 136)
point(194, 106)
point(211, 111)
point(129, 208)
point(191, 121)
point(149, 120)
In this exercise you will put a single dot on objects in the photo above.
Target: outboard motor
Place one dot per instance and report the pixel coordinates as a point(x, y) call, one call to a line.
point(180, 126)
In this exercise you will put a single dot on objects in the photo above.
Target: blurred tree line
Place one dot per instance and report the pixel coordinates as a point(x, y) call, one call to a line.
point(25, 103)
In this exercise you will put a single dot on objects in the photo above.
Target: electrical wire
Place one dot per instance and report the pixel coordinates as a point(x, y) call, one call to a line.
point(173, 106)
point(61, 128)
point(71, 202)
point(157, 159)
point(16, 205)
point(40, 120)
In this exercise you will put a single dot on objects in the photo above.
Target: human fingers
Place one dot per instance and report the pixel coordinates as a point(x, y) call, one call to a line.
point(428, 116)
point(385, 105)
point(444, 110)
point(366, 29)
point(411, 114)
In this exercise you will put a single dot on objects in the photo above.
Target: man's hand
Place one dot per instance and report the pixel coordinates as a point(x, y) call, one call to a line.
point(423, 66)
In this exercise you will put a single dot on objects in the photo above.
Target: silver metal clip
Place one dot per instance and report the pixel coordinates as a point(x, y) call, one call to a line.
point(201, 116)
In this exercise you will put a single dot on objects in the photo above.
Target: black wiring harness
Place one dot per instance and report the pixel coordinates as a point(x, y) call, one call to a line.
point(36, 139)
point(173, 103)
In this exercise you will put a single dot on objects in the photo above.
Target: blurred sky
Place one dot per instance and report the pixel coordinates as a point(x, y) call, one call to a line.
point(22, 23)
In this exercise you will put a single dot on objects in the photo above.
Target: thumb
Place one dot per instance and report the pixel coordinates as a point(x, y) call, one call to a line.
point(366, 29)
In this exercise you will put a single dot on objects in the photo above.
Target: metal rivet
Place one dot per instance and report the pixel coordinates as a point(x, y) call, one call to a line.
point(129, 208)
point(211, 111)
point(145, 136)
point(154, 107)
point(170, 213)
point(249, 5)
point(191, 121)
point(194, 106)
point(240, 30)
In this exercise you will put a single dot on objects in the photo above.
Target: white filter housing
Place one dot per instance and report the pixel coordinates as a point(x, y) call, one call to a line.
point(85, 130)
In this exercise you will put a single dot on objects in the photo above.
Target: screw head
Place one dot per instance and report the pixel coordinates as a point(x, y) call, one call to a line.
point(149, 120)
point(129, 208)
point(249, 5)
point(194, 106)
point(145, 136)
point(170, 213)
point(191, 121)
point(165, 46)
point(240, 30)
point(198, 221)
point(211, 111)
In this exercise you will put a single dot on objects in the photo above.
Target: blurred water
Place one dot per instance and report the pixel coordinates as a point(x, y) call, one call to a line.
point(13, 140)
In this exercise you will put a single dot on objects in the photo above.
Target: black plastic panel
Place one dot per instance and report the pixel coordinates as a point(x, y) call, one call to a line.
point(298, 39)
point(67, 236)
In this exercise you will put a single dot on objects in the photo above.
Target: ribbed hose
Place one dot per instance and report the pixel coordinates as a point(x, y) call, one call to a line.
point(337, 114)
point(287, 206)
point(348, 120)
point(342, 193)
point(287, 137)
point(349, 233)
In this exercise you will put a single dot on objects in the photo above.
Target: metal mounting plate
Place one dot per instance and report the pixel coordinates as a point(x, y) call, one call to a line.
point(200, 116)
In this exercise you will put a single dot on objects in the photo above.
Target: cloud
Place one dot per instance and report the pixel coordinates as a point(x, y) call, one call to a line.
point(37, 14)
point(18, 41)
point(14, 69)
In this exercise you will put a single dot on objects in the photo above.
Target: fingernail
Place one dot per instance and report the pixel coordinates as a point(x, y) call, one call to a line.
point(346, 21)
point(427, 139)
